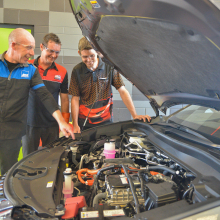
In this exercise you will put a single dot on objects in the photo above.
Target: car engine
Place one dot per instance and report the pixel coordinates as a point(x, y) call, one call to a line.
point(112, 176)
point(135, 178)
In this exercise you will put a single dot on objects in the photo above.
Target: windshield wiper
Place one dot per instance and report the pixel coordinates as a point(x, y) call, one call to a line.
point(195, 136)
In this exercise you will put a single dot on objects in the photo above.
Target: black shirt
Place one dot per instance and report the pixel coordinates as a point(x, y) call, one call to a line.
point(11, 66)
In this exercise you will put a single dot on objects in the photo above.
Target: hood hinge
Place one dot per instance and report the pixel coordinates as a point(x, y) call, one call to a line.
point(153, 104)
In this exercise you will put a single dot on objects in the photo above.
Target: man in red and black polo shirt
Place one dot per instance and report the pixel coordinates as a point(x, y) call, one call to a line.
point(40, 123)
point(91, 90)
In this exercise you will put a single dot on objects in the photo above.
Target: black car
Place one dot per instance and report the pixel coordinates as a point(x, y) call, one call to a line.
point(166, 169)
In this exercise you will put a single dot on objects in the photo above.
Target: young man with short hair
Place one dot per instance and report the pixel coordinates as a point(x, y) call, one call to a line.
point(91, 91)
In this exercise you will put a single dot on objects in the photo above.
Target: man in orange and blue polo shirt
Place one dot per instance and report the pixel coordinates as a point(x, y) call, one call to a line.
point(91, 91)
point(40, 123)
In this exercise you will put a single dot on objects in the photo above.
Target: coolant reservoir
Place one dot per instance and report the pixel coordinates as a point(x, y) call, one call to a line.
point(109, 150)
point(68, 183)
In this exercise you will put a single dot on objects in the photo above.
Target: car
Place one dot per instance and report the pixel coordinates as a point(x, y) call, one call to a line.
point(166, 169)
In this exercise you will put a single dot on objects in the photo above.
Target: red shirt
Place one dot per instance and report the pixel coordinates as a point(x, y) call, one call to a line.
point(55, 79)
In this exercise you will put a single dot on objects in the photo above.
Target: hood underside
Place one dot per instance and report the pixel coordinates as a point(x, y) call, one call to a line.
point(167, 49)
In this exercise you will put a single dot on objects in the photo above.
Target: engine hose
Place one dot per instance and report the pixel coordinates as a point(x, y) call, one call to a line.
point(98, 197)
point(136, 170)
point(94, 186)
point(89, 172)
point(81, 161)
point(188, 175)
point(162, 168)
point(187, 191)
point(132, 189)
point(142, 184)
point(151, 172)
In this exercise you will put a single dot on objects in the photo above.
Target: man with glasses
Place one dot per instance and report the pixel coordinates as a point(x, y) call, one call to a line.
point(91, 91)
point(17, 77)
point(40, 123)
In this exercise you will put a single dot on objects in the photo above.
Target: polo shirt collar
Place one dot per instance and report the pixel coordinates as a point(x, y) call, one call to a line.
point(101, 66)
point(53, 65)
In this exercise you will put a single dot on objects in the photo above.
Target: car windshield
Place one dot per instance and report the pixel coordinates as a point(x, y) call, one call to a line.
point(205, 121)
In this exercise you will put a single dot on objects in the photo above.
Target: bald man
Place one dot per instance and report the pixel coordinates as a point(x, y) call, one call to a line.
point(16, 78)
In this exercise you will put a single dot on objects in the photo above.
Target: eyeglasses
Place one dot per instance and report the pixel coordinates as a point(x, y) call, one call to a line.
point(51, 51)
point(91, 56)
point(28, 47)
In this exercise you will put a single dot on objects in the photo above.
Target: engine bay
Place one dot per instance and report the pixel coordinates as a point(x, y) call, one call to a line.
point(122, 174)
point(135, 178)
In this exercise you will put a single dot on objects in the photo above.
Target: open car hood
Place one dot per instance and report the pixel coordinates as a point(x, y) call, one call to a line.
point(168, 49)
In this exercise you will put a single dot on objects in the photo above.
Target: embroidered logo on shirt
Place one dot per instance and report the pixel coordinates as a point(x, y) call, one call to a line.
point(24, 74)
point(95, 4)
point(57, 77)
